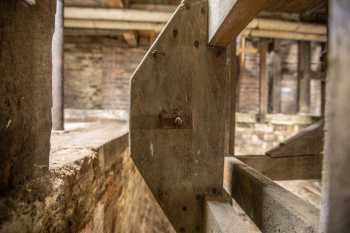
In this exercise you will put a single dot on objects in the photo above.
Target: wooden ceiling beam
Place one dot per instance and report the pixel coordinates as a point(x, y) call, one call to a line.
point(228, 18)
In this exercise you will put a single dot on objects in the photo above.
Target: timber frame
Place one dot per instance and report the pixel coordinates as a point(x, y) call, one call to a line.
point(182, 109)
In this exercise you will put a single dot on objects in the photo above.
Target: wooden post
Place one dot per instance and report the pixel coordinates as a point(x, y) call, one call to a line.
point(58, 70)
point(232, 63)
point(263, 80)
point(336, 183)
point(177, 117)
point(276, 76)
point(304, 73)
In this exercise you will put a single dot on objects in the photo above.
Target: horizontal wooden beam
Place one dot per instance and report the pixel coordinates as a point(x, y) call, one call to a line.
point(112, 25)
point(152, 20)
point(309, 141)
point(222, 217)
point(228, 18)
point(286, 168)
point(287, 26)
point(284, 35)
point(271, 207)
point(106, 14)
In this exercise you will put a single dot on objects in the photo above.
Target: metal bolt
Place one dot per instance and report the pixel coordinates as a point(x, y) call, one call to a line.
point(178, 121)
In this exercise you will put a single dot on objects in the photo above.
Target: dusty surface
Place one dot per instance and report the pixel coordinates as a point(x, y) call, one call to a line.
point(309, 190)
point(94, 188)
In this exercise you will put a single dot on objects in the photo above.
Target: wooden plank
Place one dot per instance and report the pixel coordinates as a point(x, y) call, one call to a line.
point(287, 26)
point(177, 117)
point(286, 168)
point(336, 182)
point(127, 15)
point(271, 207)
point(304, 77)
point(286, 35)
point(227, 18)
point(263, 80)
point(221, 217)
point(276, 76)
point(112, 25)
point(230, 99)
point(309, 141)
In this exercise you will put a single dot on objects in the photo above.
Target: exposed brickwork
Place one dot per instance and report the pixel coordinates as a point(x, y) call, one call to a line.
point(98, 72)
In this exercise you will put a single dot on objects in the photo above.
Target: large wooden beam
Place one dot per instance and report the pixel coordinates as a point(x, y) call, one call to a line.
point(263, 80)
point(232, 67)
point(336, 182)
point(304, 77)
point(153, 18)
point(309, 141)
point(177, 117)
point(222, 217)
point(276, 78)
point(271, 207)
point(126, 15)
point(286, 168)
point(228, 18)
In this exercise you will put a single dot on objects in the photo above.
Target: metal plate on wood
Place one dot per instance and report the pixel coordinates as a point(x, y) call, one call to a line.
point(177, 117)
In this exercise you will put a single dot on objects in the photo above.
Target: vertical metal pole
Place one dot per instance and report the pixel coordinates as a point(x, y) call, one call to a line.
point(58, 69)
point(335, 209)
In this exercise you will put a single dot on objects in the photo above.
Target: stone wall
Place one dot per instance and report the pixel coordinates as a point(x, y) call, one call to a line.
point(25, 90)
point(98, 71)
point(94, 188)
point(255, 138)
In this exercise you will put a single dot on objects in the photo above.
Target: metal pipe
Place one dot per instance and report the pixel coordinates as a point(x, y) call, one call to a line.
point(58, 69)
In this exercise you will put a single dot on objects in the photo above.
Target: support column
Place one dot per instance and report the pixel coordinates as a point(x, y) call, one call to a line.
point(232, 63)
point(304, 73)
point(58, 69)
point(276, 76)
point(335, 209)
point(263, 80)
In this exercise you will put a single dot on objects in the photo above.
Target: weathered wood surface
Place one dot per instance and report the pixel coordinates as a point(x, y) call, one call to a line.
point(232, 74)
point(263, 80)
point(228, 18)
point(336, 182)
point(276, 79)
point(286, 168)
point(309, 141)
point(304, 76)
point(177, 117)
point(271, 207)
point(222, 217)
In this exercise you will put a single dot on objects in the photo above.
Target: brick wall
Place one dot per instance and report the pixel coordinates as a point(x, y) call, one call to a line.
point(98, 71)
point(249, 78)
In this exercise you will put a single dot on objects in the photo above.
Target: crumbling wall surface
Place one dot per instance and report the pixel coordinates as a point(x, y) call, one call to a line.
point(254, 137)
point(93, 189)
point(25, 90)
